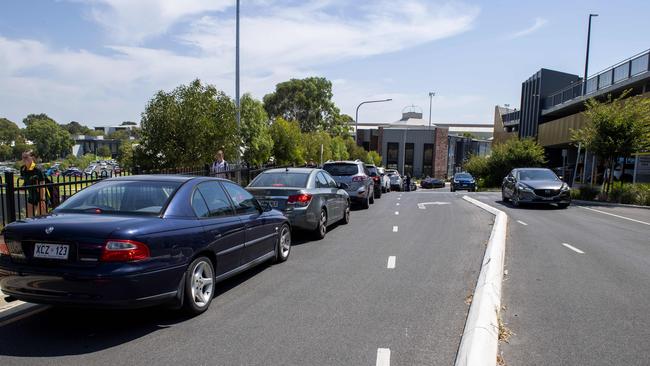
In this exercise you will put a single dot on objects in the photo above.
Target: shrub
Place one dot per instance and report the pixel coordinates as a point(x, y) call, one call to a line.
point(586, 193)
point(638, 194)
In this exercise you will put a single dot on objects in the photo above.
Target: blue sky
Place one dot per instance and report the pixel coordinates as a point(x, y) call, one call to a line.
point(100, 61)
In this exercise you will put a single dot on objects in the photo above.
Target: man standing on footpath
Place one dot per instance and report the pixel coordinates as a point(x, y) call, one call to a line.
point(219, 166)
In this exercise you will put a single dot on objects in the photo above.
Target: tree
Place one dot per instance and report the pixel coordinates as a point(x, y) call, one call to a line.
point(616, 128)
point(186, 127)
point(36, 117)
point(119, 135)
point(355, 151)
point(373, 157)
point(51, 140)
point(286, 142)
point(76, 128)
point(339, 150)
point(311, 146)
point(308, 101)
point(255, 133)
point(9, 131)
point(125, 154)
point(104, 151)
point(6, 152)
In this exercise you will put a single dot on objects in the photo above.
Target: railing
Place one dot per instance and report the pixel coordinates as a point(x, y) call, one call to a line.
point(622, 71)
point(511, 118)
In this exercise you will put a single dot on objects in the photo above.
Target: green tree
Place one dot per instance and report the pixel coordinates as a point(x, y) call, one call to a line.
point(51, 140)
point(373, 157)
point(186, 127)
point(311, 146)
point(125, 154)
point(255, 131)
point(9, 132)
point(6, 152)
point(308, 101)
point(104, 151)
point(616, 128)
point(120, 135)
point(339, 150)
point(286, 142)
point(36, 117)
point(355, 151)
point(76, 128)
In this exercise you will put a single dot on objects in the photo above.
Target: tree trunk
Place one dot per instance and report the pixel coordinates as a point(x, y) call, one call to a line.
point(610, 179)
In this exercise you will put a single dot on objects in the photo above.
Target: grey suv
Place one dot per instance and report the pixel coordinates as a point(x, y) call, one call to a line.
point(356, 175)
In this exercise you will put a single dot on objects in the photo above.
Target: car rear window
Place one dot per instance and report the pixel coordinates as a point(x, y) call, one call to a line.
point(121, 197)
point(341, 169)
point(280, 179)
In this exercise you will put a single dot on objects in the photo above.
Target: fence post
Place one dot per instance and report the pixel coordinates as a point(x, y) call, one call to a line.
point(206, 170)
point(10, 199)
point(136, 170)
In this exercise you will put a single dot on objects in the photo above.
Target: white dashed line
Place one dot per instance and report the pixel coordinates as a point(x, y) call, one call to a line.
point(383, 357)
point(391, 262)
point(573, 248)
point(396, 212)
point(619, 216)
point(399, 198)
point(521, 222)
point(397, 203)
point(394, 229)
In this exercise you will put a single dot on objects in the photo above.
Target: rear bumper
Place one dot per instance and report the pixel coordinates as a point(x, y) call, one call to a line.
point(130, 291)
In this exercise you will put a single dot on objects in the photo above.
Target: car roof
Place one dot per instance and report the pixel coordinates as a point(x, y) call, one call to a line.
point(344, 162)
point(156, 178)
point(532, 169)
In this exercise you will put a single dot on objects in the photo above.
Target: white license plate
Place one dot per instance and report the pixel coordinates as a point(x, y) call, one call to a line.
point(51, 251)
point(271, 203)
point(547, 198)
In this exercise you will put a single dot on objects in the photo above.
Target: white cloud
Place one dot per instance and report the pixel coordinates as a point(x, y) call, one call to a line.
point(539, 23)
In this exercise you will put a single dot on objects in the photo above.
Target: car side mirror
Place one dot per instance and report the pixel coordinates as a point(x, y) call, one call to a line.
point(561, 177)
point(342, 185)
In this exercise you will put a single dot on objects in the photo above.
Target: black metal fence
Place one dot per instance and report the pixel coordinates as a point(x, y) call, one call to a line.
point(19, 199)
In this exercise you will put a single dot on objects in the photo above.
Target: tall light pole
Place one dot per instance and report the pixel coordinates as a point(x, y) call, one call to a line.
point(584, 81)
point(356, 119)
point(237, 102)
point(431, 95)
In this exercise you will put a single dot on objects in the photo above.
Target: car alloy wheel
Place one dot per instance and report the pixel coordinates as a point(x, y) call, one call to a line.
point(321, 230)
point(515, 199)
point(284, 244)
point(346, 215)
point(503, 196)
point(366, 203)
point(199, 285)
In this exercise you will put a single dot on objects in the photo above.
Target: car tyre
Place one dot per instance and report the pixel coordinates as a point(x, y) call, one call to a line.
point(503, 196)
point(346, 214)
point(283, 248)
point(321, 228)
point(366, 203)
point(515, 200)
point(199, 286)
point(371, 198)
point(378, 193)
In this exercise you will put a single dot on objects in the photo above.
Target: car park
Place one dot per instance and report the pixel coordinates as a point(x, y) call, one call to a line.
point(395, 179)
point(310, 198)
point(463, 181)
point(357, 177)
point(429, 182)
point(385, 180)
point(376, 179)
point(535, 186)
point(141, 240)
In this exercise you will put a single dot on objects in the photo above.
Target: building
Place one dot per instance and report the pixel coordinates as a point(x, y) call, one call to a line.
point(107, 130)
point(551, 106)
point(91, 145)
point(413, 147)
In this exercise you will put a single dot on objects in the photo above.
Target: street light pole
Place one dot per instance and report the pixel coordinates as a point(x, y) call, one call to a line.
point(237, 101)
point(431, 95)
point(356, 119)
point(584, 81)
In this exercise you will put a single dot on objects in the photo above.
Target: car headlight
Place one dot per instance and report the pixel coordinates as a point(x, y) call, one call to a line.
point(565, 187)
point(523, 187)
point(455, 181)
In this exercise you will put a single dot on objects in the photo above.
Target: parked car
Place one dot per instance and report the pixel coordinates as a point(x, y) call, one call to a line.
point(54, 170)
point(395, 179)
point(385, 180)
point(429, 182)
point(463, 181)
point(357, 177)
point(535, 185)
point(310, 198)
point(376, 179)
point(141, 240)
point(8, 169)
point(72, 172)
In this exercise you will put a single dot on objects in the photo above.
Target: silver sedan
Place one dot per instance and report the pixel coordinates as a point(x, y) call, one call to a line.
point(310, 198)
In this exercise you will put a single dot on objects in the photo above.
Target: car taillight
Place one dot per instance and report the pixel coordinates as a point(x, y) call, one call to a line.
point(359, 178)
point(124, 251)
point(300, 199)
point(376, 179)
point(4, 249)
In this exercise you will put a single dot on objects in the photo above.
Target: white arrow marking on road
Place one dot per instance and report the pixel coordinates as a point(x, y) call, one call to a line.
point(573, 248)
point(383, 357)
point(396, 212)
point(397, 203)
point(394, 229)
point(421, 206)
point(391, 262)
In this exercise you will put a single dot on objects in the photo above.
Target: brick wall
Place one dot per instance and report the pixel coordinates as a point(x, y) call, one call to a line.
point(440, 153)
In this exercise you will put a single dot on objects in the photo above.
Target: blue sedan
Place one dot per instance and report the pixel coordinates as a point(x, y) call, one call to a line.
point(139, 241)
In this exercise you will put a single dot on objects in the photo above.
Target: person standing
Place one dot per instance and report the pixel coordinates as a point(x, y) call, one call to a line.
point(408, 182)
point(32, 176)
point(219, 166)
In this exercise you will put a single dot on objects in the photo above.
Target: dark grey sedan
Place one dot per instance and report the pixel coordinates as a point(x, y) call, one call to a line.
point(310, 198)
point(535, 185)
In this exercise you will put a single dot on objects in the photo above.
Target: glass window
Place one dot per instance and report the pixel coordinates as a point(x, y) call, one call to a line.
point(216, 199)
point(639, 64)
point(330, 181)
point(605, 79)
point(321, 182)
point(392, 155)
point(281, 179)
point(620, 73)
point(244, 202)
point(341, 169)
point(427, 159)
point(199, 206)
point(592, 84)
point(408, 159)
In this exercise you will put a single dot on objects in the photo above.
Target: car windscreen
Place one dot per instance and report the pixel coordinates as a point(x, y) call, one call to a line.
point(280, 179)
point(372, 169)
point(537, 175)
point(463, 176)
point(341, 169)
point(121, 197)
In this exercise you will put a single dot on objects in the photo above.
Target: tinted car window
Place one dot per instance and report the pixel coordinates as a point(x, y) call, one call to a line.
point(372, 169)
point(463, 176)
point(321, 182)
point(330, 181)
point(244, 202)
point(199, 206)
point(341, 169)
point(216, 199)
point(537, 175)
point(281, 179)
point(121, 197)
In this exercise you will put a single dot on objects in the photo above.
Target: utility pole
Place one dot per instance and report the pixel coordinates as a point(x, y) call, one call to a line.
point(431, 95)
point(237, 101)
point(356, 118)
point(584, 81)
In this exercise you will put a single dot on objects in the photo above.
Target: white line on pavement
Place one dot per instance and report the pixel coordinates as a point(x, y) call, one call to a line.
point(396, 212)
point(391, 262)
point(619, 216)
point(397, 203)
point(573, 248)
point(383, 357)
point(521, 222)
point(399, 198)
point(394, 229)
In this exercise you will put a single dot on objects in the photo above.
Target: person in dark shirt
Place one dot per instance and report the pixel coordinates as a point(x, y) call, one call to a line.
point(32, 175)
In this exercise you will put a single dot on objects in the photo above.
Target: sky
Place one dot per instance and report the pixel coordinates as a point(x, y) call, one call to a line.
point(100, 61)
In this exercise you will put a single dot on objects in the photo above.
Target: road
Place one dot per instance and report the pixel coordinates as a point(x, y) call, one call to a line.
point(397, 277)
point(578, 285)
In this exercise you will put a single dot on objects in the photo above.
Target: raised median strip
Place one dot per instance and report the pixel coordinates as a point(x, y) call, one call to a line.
point(480, 341)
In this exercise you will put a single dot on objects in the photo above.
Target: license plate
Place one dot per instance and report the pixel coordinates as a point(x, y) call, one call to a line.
point(547, 198)
point(51, 251)
point(271, 203)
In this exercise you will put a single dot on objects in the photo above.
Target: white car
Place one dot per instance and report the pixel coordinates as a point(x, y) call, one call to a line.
point(385, 180)
point(396, 181)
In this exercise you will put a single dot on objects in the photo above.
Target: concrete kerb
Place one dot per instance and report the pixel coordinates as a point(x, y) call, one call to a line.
point(480, 342)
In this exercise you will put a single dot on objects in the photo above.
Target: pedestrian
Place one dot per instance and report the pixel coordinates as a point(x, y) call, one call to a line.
point(32, 176)
point(311, 164)
point(219, 166)
point(408, 182)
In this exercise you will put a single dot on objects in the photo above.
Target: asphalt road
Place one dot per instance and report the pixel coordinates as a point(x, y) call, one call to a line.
point(334, 302)
point(572, 308)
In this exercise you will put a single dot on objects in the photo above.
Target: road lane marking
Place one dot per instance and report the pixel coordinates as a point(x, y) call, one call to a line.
point(394, 229)
point(422, 205)
point(619, 216)
point(396, 212)
point(399, 198)
point(397, 203)
point(573, 248)
point(383, 357)
point(391, 262)
point(521, 222)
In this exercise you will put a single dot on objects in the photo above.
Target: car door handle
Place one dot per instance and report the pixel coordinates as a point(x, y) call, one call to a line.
point(217, 235)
